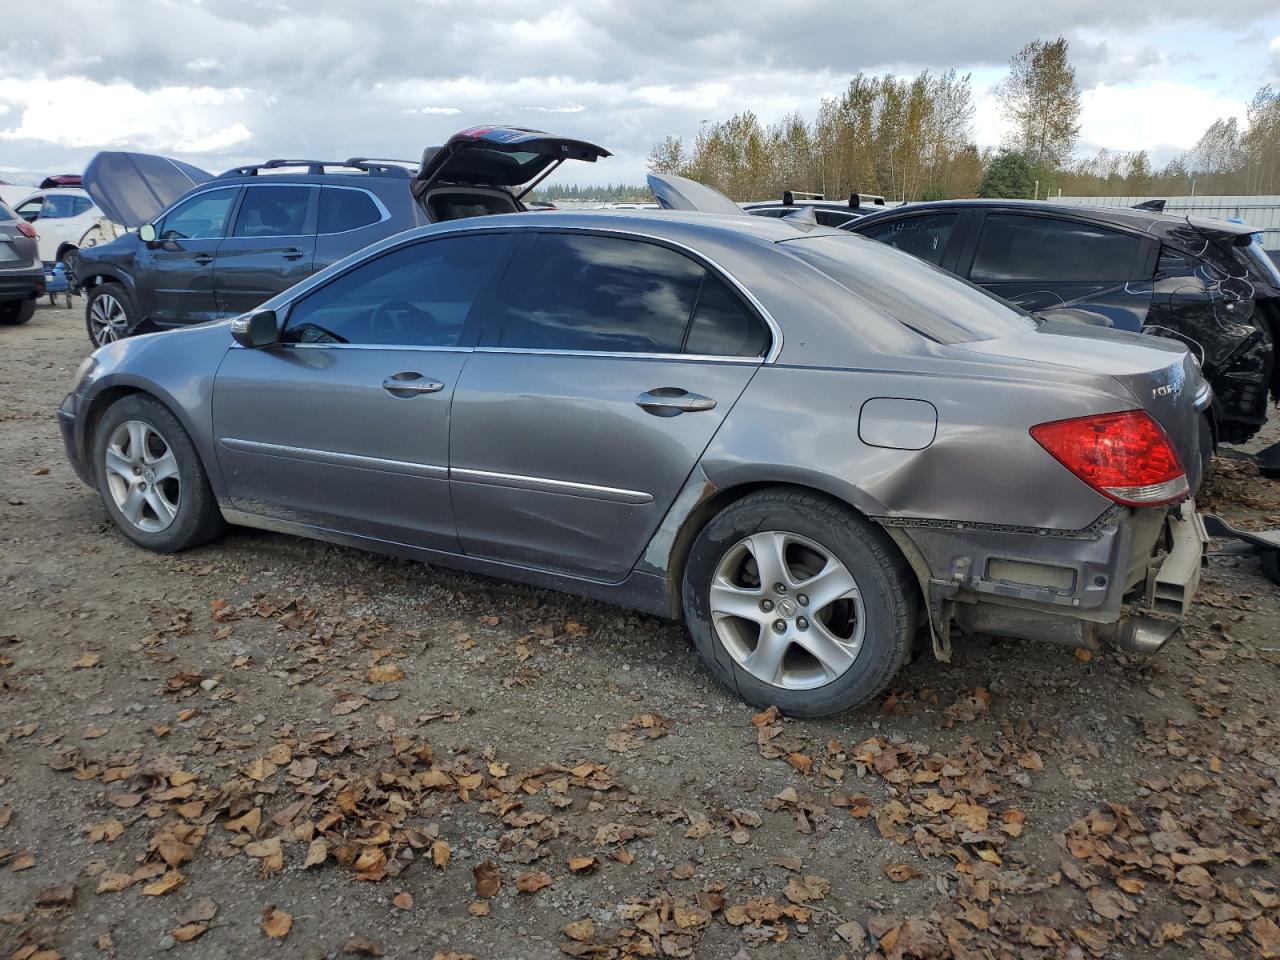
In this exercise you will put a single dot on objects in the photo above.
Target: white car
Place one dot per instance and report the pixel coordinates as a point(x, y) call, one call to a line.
point(65, 220)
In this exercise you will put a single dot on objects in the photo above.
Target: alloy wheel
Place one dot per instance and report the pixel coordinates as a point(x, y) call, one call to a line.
point(107, 319)
point(142, 476)
point(787, 610)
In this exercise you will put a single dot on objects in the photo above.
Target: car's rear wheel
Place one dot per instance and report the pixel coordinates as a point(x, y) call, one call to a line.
point(151, 479)
point(795, 600)
point(108, 314)
point(14, 312)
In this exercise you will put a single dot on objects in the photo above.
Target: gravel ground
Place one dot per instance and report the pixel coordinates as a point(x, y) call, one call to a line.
point(272, 747)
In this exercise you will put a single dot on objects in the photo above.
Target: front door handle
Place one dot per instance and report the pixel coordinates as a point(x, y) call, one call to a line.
point(673, 401)
point(293, 253)
point(409, 384)
point(203, 259)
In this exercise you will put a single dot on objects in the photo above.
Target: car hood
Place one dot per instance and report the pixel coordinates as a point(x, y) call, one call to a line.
point(681, 193)
point(132, 188)
point(499, 157)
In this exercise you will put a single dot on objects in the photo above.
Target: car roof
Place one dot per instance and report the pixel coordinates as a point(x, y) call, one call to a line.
point(1144, 221)
point(661, 224)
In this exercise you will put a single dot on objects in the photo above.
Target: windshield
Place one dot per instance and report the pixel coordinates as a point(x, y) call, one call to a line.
point(930, 301)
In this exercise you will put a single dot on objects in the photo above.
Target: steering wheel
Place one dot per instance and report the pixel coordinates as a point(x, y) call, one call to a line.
point(402, 317)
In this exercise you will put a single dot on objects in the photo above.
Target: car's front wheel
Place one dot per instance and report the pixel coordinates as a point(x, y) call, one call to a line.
point(109, 314)
point(795, 600)
point(151, 479)
point(14, 312)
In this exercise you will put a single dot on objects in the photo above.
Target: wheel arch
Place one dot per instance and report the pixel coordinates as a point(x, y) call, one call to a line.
point(104, 398)
point(721, 498)
point(64, 248)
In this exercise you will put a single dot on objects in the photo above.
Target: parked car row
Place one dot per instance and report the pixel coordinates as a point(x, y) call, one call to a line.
point(21, 273)
point(64, 217)
point(805, 445)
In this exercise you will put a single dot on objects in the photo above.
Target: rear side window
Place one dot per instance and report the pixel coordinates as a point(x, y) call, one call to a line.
point(273, 212)
point(723, 326)
point(418, 295)
point(6, 213)
point(1019, 247)
point(342, 210)
point(81, 205)
point(924, 298)
point(59, 206)
point(924, 236)
point(605, 294)
point(833, 218)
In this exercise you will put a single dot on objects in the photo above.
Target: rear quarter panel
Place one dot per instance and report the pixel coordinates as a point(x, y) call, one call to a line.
point(797, 424)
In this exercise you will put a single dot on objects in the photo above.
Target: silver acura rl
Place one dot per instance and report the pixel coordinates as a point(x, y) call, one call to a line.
point(806, 445)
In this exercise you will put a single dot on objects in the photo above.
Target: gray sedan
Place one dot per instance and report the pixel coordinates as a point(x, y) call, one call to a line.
point(806, 445)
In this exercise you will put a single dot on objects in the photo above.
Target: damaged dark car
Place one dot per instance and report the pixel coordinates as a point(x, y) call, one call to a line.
point(204, 247)
point(1201, 282)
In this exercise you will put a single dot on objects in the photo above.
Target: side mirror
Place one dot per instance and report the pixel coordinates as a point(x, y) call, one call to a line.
point(255, 330)
point(147, 232)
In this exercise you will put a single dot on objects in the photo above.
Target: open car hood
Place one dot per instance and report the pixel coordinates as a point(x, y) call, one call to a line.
point(681, 193)
point(131, 188)
point(500, 157)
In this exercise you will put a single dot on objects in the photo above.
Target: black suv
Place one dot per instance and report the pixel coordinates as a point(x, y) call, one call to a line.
point(205, 247)
point(1203, 282)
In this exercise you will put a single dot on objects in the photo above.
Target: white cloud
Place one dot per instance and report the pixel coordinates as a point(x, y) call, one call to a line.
point(217, 141)
point(1151, 115)
point(76, 112)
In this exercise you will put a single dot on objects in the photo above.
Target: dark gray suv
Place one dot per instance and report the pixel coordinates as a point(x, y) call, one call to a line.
point(205, 247)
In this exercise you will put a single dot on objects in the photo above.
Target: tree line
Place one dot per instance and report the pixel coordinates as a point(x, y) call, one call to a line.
point(911, 138)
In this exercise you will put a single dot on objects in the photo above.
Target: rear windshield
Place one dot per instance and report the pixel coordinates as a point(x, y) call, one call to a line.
point(930, 301)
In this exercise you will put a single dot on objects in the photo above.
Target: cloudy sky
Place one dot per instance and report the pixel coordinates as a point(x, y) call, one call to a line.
point(220, 82)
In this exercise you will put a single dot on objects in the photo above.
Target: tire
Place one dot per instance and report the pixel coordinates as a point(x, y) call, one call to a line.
point(109, 314)
point(151, 479)
point(873, 624)
point(14, 312)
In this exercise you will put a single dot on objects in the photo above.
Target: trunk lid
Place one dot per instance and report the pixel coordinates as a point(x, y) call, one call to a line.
point(508, 157)
point(132, 188)
point(1159, 375)
point(681, 193)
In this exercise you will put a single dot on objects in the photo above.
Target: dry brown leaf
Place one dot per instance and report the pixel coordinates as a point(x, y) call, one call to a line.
point(584, 931)
point(317, 853)
point(901, 872)
point(188, 931)
point(583, 864)
point(385, 673)
point(403, 900)
point(533, 881)
point(1267, 934)
point(440, 853)
point(108, 830)
point(87, 661)
point(488, 879)
point(170, 881)
point(114, 882)
point(478, 908)
point(62, 895)
point(363, 947)
point(276, 924)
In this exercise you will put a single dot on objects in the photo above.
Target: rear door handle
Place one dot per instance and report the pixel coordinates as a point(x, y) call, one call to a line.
point(673, 401)
point(203, 259)
point(409, 384)
point(293, 253)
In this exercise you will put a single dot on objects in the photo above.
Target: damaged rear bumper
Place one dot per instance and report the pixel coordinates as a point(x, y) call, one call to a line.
point(1128, 581)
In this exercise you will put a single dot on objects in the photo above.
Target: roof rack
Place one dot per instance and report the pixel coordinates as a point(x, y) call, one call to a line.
point(789, 196)
point(386, 168)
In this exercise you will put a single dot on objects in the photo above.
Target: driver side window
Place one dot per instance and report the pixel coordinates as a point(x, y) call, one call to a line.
point(203, 217)
point(419, 295)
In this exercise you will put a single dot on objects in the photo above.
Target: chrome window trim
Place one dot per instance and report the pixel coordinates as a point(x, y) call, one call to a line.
point(362, 346)
point(431, 232)
point(384, 213)
point(332, 458)
point(548, 485)
point(628, 355)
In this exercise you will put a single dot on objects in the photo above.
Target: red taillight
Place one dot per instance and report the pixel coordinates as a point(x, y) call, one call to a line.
point(27, 230)
point(1124, 456)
